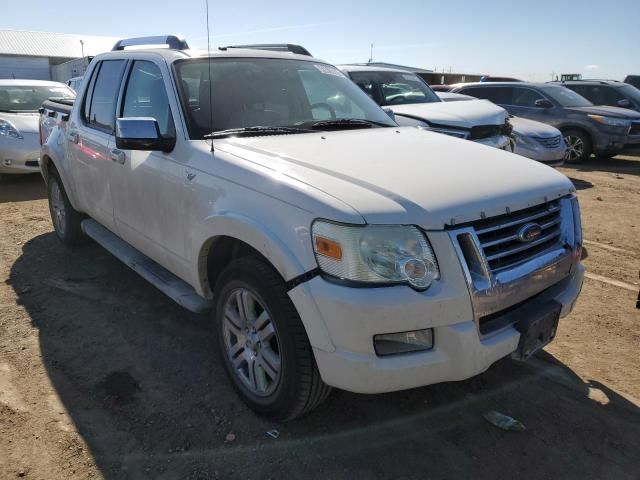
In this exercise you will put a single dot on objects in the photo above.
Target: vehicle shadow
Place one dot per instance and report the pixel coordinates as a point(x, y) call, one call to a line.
point(22, 188)
point(623, 165)
point(581, 184)
point(141, 383)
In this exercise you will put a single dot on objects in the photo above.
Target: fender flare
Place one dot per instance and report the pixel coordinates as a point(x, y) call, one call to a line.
point(268, 244)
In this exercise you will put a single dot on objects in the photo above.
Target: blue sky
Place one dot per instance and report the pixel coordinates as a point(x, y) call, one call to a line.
point(600, 39)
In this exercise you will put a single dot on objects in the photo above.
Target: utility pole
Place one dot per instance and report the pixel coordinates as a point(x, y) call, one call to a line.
point(82, 48)
point(371, 54)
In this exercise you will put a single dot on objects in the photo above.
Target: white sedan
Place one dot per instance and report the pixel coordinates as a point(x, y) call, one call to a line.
point(19, 137)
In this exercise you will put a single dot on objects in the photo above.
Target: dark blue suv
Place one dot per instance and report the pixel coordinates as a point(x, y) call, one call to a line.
point(602, 130)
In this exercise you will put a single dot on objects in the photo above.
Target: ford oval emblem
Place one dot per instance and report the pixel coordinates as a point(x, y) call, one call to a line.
point(529, 232)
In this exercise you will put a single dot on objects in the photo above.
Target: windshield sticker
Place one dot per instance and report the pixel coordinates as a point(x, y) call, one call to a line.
point(409, 77)
point(329, 70)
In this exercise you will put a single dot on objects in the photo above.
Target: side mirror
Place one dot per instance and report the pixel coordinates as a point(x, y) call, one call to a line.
point(543, 103)
point(389, 112)
point(624, 103)
point(142, 133)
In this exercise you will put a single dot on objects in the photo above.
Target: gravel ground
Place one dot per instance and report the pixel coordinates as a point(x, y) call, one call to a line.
point(101, 376)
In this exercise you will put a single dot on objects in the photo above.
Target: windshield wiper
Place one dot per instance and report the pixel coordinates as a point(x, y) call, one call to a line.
point(256, 131)
point(340, 123)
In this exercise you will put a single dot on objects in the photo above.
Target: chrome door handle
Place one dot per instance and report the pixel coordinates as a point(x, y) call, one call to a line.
point(74, 137)
point(118, 156)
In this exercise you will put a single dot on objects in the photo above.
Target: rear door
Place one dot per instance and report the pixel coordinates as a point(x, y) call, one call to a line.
point(91, 139)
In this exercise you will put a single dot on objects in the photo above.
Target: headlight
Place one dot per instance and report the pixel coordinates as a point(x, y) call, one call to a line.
point(522, 140)
point(376, 254)
point(612, 122)
point(7, 129)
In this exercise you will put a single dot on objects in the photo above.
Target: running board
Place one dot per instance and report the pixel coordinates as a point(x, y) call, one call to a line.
point(165, 281)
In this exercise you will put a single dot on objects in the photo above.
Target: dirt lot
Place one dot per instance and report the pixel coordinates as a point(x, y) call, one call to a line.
point(102, 376)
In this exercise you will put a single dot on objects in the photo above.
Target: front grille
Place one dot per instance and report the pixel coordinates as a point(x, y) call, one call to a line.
point(549, 142)
point(487, 131)
point(499, 236)
point(635, 129)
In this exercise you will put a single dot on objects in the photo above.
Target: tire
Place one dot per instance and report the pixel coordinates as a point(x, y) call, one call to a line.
point(66, 220)
point(263, 344)
point(579, 146)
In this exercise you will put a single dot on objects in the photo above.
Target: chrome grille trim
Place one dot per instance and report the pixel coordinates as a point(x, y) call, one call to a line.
point(493, 289)
point(549, 142)
point(511, 238)
point(522, 248)
point(529, 218)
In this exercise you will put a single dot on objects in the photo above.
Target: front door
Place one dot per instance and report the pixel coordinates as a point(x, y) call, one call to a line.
point(150, 187)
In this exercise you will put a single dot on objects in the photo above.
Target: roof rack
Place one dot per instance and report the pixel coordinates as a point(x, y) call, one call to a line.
point(602, 81)
point(174, 42)
point(274, 47)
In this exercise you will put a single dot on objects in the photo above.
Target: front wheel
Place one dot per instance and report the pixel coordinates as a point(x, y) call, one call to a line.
point(66, 220)
point(578, 146)
point(263, 343)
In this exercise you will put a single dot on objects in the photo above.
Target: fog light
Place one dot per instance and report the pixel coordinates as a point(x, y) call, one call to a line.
point(403, 342)
point(8, 162)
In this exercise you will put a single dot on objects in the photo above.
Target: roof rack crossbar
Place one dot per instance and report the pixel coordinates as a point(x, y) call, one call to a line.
point(274, 47)
point(174, 42)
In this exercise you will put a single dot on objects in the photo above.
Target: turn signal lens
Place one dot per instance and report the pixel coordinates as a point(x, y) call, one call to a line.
point(328, 248)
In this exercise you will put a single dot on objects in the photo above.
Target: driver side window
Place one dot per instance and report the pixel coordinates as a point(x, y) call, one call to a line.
point(146, 96)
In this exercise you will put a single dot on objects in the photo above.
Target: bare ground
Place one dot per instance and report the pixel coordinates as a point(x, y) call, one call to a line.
point(101, 376)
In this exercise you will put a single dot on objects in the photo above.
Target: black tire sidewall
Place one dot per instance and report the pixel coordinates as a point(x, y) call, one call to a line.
point(53, 178)
point(274, 297)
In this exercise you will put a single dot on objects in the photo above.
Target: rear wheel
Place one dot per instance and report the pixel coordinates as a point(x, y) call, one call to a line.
point(578, 146)
point(66, 220)
point(263, 343)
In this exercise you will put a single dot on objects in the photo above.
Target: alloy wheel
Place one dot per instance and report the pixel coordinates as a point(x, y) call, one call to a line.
point(575, 148)
point(251, 342)
point(58, 208)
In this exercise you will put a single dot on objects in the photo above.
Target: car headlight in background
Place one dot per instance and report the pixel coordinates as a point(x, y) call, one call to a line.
point(8, 129)
point(610, 121)
point(375, 254)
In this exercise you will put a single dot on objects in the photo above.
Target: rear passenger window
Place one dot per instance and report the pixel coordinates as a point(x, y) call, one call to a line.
point(525, 97)
point(102, 104)
point(146, 96)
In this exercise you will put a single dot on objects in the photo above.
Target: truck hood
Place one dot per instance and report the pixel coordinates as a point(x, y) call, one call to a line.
point(406, 175)
point(604, 110)
point(531, 128)
point(456, 114)
point(24, 122)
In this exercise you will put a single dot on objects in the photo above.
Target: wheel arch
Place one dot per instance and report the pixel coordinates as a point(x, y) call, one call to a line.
point(237, 236)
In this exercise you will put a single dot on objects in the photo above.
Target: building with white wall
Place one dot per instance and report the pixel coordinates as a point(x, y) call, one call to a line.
point(47, 55)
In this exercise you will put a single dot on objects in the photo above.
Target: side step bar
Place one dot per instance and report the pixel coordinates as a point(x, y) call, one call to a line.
point(165, 281)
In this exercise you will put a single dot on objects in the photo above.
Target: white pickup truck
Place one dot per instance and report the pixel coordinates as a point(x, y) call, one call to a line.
point(334, 248)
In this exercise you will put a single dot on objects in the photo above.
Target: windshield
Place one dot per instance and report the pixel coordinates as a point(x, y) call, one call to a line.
point(22, 98)
point(250, 92)
point(566, 97)
point(394, 88)
point(631, 92)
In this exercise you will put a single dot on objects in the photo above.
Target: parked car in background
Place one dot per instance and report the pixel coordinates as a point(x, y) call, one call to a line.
point(586, 128)
point(414, 103)
point(492, 78)
point(633, 80)
point(440, 88)
point(606, 92)
point(19, 104)
point(74, 83)
point(535, 140)
point(334, 248)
